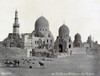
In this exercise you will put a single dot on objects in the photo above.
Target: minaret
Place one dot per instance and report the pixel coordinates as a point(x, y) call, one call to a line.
point(16, 24)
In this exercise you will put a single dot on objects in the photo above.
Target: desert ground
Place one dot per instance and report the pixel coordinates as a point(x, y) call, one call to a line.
point(74, 65)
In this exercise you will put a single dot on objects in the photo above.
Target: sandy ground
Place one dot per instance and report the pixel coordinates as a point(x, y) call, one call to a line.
point(75, 65)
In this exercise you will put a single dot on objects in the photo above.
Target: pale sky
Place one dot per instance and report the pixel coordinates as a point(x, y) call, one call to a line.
point(81, 16)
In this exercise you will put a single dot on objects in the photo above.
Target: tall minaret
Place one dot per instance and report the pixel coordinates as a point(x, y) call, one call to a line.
point(16, 24)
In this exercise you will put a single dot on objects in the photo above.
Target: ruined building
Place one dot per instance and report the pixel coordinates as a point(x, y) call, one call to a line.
point(13, 39)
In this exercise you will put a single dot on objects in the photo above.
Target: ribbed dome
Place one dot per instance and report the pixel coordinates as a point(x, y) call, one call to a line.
point(78, 36)
point(63, 31)
point(41, 24)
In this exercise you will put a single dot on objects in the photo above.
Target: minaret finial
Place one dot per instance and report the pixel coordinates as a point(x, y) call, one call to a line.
point(16, 17)
point(16, 24)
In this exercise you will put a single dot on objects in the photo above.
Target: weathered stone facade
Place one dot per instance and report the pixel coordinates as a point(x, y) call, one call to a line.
point(63, 41)
point(41, 37)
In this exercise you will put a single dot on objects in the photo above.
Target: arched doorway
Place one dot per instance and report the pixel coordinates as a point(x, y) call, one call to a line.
point(60, 48)
point(70, 46)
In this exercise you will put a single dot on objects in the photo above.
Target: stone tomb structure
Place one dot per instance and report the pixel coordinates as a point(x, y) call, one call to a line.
point(63, 41)
point(77, 41)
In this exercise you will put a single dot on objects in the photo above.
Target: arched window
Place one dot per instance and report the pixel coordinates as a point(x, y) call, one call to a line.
point(47, 40)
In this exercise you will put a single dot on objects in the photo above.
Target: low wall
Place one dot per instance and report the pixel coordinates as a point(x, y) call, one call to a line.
point(81, 50)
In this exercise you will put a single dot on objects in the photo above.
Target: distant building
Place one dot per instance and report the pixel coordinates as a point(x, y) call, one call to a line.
point(90, 42)
point(77, 40)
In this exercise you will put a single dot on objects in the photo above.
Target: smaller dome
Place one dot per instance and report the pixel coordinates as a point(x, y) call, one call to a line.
point(63, 31)
point(77, 36)
point(77, 41)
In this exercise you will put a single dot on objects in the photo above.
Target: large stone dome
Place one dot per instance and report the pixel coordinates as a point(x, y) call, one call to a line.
point(41, 24)
point(63, 31)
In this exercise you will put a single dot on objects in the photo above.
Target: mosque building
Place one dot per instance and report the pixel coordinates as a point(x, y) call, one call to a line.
point(40, 42)
point(14, 39)
point(41, 37)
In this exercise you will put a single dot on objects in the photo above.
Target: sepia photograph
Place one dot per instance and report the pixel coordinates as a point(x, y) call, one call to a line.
point(49, 38)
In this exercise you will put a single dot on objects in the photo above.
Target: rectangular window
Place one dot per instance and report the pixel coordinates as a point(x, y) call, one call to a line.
point(35, 42)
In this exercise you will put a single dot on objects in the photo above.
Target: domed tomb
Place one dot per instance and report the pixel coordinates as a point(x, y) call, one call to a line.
point(63, 41)
point(63, 31)
point(77, 40)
